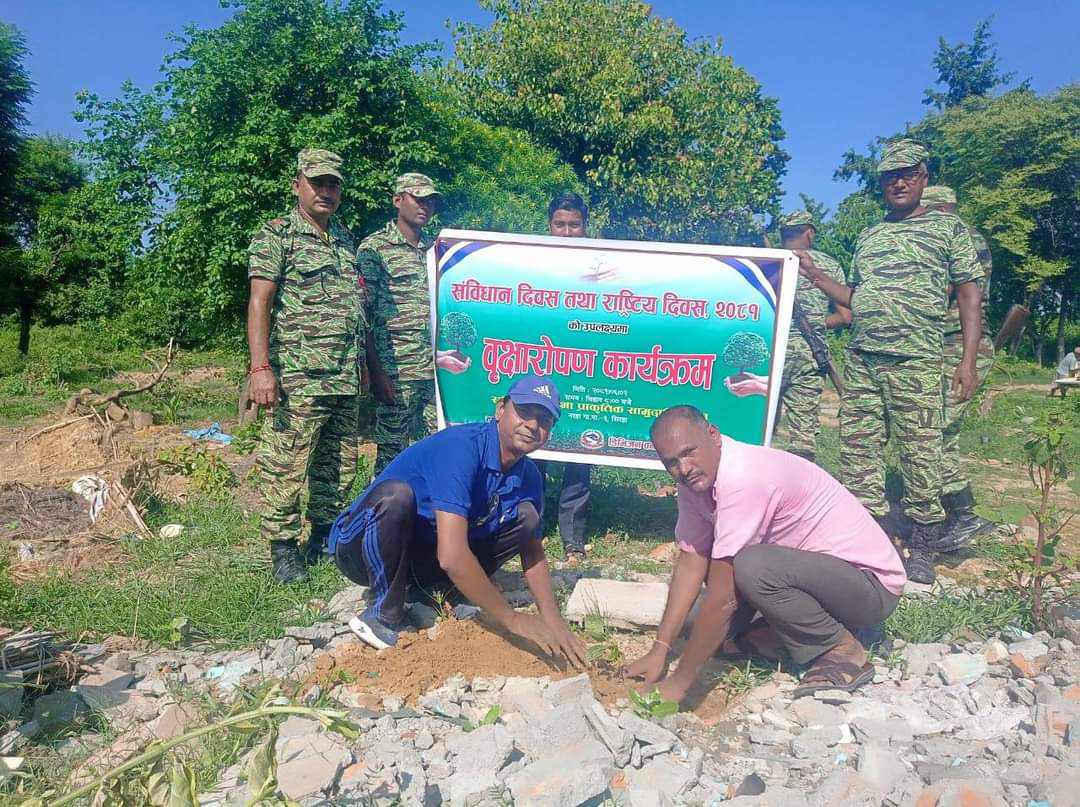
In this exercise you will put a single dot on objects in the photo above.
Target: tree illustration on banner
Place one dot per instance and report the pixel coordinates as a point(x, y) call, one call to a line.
point(457, 331)
point(745, 351)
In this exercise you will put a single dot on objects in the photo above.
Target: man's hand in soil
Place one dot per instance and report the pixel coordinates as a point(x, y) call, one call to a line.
point(538, 579)
point(263, 388)
point(552, 639)
point(650, 667)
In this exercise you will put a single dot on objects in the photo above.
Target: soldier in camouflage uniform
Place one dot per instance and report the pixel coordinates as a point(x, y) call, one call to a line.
point(962, 524)
point(305, 329)
point(801, 388)
point(399, 349)
point(901, 274)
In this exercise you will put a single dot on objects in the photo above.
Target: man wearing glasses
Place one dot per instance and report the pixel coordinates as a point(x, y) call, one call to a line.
point(900, 279)
point(399, 356)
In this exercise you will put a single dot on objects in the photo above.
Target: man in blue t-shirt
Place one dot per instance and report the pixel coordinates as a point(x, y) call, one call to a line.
point(453, 508)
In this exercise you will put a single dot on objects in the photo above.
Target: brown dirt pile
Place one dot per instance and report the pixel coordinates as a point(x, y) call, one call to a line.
point(58, 456)
point(471, 649)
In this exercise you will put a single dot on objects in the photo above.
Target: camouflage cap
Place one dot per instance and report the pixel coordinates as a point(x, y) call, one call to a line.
point(799, 218)
point(939, 195)
point(319, 163)
point(417, 185)
point(902, 153)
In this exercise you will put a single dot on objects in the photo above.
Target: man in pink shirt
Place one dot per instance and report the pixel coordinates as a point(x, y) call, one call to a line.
point(772, 533)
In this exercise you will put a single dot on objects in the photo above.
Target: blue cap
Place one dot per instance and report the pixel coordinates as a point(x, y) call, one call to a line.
point(535, 389)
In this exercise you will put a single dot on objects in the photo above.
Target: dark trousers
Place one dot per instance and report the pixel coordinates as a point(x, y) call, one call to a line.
point(573, 501)
point(808, 598)
point(382, 543)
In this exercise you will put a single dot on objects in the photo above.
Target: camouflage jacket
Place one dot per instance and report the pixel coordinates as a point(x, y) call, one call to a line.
point(317, 326)
point(399, 309)
point(952, 317)
point(813, 301)
point(901, 272)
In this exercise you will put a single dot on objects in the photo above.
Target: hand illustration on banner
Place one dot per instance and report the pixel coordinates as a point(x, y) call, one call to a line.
point(448, 360)
point(747, 384)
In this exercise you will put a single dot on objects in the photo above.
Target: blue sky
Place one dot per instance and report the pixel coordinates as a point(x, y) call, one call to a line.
point(843, 71)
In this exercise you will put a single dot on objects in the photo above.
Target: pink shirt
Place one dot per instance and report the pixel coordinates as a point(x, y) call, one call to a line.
point(766, 496)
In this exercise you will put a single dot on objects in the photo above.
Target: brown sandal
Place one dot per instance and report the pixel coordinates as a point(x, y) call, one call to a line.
point(842, 675)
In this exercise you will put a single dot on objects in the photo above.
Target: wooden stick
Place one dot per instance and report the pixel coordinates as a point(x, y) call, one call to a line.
point(132, 510)
point(59, 425)
point(116, 395)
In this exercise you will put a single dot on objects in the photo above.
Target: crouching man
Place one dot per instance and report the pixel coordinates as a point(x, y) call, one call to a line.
point(767, 532)
point(451, 509)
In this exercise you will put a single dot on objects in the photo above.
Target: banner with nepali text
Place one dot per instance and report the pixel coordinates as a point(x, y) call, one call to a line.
point(625, 329)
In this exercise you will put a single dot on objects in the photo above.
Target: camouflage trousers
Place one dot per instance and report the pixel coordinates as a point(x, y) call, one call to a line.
point(953, 478)
point(800, 394)
point(312, 440)
point(410, 418)
point(904, 395)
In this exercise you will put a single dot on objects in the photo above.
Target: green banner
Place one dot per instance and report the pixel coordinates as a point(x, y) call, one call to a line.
point(625, 329)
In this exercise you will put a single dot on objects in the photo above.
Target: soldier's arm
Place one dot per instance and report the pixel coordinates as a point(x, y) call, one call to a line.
point(265, 270)
point(964, 273)
point(370, 266)
point(840, 316)
point(837, 292)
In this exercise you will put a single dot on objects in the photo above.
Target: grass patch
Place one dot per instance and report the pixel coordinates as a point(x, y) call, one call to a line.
point(918, 619)
point(216, 575)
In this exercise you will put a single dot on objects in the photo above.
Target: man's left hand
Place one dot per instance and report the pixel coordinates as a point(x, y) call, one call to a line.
point(964, 382)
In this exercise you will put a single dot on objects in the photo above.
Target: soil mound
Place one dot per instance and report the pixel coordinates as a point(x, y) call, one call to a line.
point(473, 649)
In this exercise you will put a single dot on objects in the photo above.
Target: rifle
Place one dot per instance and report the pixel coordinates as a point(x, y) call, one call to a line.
point(818, 349)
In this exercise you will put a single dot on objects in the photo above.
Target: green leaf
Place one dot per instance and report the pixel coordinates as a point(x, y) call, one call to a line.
point(183, 792)
point(261, 769)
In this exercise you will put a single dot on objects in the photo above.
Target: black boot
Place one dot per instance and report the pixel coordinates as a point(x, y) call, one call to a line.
point(896, 525)
point(962, 524)
point(288, 566)
point(315, 549)
point(920, 562)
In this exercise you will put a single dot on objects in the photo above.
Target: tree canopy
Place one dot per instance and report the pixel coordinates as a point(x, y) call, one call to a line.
point(966, 70)
point(15, 92)
point(671, 139)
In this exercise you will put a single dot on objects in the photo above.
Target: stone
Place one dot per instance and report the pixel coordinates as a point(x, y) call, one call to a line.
point(317, 636)
point(1024, 667)
point(11, 693)
point(152, 686)
point(58, 710)
point(845, 788)
point(961, 793)
point(778, 720)
point(141, 420)
point(961, 668)
point(646, 731)
point(918, 658)
point(751, 785)
point(665, 775)
point(995, 651)
point(810, 712)
point(569, 690)
point(1072, 733)
point(622, 604)
point(523, 695)
point(226, 677)
point(562, 726)
point(423, 740)
point(105, 689)
point(1031, 649)
point(487, 747)
point(309, 763)
point(880, 766)
point(884, 732)
point(992, 725)
point(773, 797)
point(1060, 789)
point(566, 778)
point(348, 602)
point(833, 696)
point(173, 721)
point(619, 741)
point(808, 748)
point(767, 736)
point(439, 706)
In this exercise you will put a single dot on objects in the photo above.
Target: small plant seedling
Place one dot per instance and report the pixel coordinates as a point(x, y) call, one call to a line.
point(653, 705)
point(209, 472)
point(489, 719)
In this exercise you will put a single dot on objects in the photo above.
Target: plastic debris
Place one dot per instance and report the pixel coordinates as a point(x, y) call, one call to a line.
point(213, 433)
point(95, 490)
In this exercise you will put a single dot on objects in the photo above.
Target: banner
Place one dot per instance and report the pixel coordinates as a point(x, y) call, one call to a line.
point(625, 329)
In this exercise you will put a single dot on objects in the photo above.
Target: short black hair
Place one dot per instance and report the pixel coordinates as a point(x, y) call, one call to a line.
point(680, 412)
point(569, 201)
point(796, 231)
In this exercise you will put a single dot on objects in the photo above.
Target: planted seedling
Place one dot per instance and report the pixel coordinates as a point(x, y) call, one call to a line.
point(652, 706)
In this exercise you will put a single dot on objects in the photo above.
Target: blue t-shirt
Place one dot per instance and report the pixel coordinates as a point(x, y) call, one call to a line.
point(458, 470)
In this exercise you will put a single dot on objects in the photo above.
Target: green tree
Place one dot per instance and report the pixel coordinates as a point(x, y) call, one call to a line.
point(15, 91)
point(671, 139)
point(745, 351)
point(966, 70)
point(47, 172)
point(458, 331)
point(841, 230)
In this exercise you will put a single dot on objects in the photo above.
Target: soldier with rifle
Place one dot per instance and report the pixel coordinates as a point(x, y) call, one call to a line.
point(807, 360)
